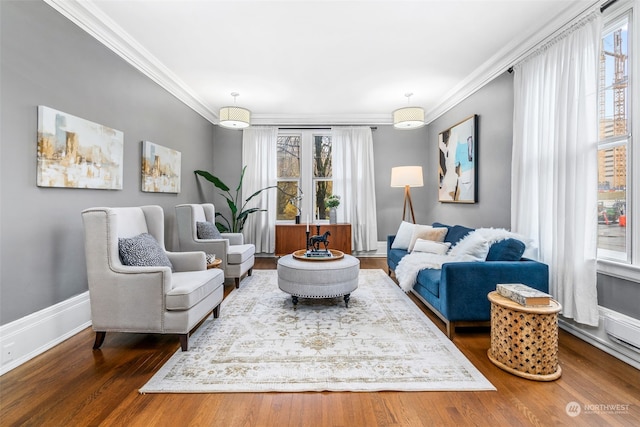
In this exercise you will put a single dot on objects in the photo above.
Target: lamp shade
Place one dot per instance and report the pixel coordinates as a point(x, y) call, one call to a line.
point(235, 117)
point(402, 176)
point(408, 118)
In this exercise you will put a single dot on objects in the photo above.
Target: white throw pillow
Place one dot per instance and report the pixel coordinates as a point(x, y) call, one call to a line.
point(431, 247)
point(403, 236)
point(472, 247)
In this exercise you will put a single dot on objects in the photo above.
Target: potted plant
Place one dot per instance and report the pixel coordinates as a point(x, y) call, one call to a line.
point(239, 214)
point(332, 202)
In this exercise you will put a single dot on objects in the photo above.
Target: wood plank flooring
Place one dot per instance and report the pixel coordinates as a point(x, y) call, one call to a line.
point(72, 385)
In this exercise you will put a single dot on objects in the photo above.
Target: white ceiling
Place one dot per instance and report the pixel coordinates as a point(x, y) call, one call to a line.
point(321, 61)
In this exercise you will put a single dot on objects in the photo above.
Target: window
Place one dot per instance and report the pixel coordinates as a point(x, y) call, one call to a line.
point(305, 175)
point(615, 164)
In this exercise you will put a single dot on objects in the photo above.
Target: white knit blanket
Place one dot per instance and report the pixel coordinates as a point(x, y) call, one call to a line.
point(473, 247)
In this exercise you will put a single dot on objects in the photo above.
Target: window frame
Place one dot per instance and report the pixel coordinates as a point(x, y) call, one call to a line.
point(628, 268)
point(307, 180)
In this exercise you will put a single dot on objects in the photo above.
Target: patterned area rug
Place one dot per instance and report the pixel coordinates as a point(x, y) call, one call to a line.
point(260, 343)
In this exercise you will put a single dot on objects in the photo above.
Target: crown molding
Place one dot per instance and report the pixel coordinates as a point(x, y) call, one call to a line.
point(92, 20)
point(95, 22)
point(510, 54)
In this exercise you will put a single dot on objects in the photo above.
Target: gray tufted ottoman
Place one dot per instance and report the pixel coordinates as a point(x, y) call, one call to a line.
point(318, 279)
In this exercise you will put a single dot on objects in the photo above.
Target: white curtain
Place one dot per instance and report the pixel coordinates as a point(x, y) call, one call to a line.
point(554, 165)
point(353, 181)
point(259, 147)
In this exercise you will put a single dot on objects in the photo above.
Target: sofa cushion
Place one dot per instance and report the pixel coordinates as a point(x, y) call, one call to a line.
point(191, 287)
point(403, 236)
point(430, 280)
point(238, 254)
point(506, 250)
point(427, 232)
point(207, 230)
point(455, 233)
point(142, 250)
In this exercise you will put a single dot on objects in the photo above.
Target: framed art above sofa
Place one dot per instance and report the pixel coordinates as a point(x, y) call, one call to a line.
point(457, 164)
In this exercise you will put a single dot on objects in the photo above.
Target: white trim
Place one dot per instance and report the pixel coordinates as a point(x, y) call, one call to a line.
point(95, 22)
point(598, 337)
point(32, 335)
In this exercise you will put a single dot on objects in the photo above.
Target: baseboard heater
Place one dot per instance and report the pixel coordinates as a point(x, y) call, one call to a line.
point(624, 330)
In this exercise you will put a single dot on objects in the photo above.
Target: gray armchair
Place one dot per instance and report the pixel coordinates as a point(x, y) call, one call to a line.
point(147, 299)
point(237, 258)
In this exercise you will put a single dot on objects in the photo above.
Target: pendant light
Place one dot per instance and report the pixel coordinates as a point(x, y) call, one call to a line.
point(408, 117)
point(235, 117)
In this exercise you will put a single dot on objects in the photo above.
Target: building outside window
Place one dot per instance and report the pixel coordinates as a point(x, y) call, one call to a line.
point(615, 216)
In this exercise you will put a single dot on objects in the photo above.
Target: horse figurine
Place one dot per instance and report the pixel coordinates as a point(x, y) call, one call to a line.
point(317, 239)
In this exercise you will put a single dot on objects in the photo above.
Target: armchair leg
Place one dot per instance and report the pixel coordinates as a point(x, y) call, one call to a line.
point(184, 342)
point(216, 312)
point(99, 339)
point(237, 279)
point(250, 271)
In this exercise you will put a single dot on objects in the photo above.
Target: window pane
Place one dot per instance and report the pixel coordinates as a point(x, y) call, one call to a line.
point(289, 156)
point(614, 80)
point(322, 157)
point(612, 199)
point(287, 200)
point(323, 190)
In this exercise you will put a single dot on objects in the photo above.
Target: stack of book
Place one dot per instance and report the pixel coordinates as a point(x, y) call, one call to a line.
point(523, 294)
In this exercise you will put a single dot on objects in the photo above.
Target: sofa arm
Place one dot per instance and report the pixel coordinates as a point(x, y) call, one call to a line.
point(234, 238)
point(390, 239)
point(188, 261)
point(464, 286)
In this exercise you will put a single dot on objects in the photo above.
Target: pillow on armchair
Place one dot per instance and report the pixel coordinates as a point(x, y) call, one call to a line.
point(143, 250)
point(207, 230)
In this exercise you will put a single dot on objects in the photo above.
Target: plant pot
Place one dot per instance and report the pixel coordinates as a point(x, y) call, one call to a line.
point(333, 216)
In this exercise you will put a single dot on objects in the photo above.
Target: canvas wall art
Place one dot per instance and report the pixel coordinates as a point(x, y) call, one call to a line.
point(458, 167)
point(160, 168)
point(77, 153)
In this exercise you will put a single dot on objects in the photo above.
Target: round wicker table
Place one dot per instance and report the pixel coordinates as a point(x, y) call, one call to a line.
point(524, 339)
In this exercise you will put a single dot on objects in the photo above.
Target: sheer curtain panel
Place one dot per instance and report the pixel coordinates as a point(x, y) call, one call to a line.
point(354, 181)
point(554, 165)
point(259, 155)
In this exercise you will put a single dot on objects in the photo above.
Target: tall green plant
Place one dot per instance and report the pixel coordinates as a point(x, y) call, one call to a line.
point(238, 216)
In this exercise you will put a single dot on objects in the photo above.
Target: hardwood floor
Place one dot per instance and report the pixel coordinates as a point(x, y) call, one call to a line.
point(72, 385)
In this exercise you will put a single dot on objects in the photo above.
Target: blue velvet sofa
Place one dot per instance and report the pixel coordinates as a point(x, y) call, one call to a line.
point(457, 293)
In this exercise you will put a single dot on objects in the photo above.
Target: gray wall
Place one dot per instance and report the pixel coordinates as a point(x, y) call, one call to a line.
point(47, 60)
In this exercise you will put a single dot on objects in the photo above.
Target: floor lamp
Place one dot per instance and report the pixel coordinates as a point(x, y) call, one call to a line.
point(407, 177)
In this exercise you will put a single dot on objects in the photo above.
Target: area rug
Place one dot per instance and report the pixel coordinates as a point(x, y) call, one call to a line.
point(260, 343)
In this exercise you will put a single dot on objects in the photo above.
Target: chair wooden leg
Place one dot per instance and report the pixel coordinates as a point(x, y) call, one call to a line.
point(184, 342)
point(216, 311)
point(237, 279)
point(99, 339)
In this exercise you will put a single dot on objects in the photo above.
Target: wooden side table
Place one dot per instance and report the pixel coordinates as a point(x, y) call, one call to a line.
point(215, 263)
point(524, 340)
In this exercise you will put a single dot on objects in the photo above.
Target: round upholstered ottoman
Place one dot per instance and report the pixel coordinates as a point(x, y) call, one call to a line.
point(318, 279)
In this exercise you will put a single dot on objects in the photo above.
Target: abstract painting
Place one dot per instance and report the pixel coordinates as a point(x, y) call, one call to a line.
point(160, 168)
point(457, 167)
point(77, 153)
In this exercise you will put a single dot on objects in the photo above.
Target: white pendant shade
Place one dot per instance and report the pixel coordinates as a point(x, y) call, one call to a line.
point(235, 117)
point(408, 118)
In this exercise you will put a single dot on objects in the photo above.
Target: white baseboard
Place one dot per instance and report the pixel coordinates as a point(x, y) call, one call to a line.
point(26, 338)
point(597, 337)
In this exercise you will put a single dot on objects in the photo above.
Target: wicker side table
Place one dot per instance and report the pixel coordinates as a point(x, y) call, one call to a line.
point(524, 340)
